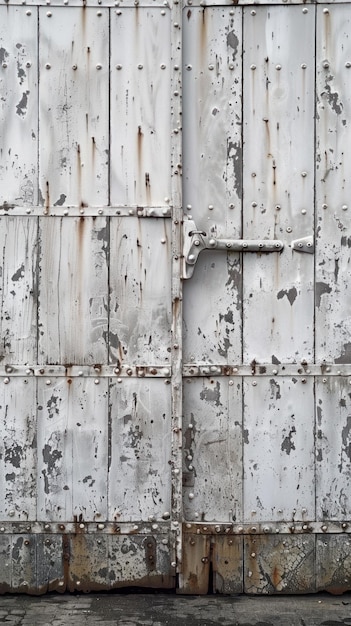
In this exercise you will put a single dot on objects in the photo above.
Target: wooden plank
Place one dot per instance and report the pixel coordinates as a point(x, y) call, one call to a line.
point(72, 449)
point(18, 290)
point(73, 290)
point(278, 427)
point(195, 573)
point(333, 185)
point(140, 106)
point(278, 181)
point(333, 448)
point(227, 564)
point(333, 563)
point(212, 177)
point(18, 106)
point(23, 565)
point(88, 570)
point(74, 113)
point(18, 450)
point(212, 469)
point(140, 304)
point(49, 563)
point(139, 471)
point(212, 119)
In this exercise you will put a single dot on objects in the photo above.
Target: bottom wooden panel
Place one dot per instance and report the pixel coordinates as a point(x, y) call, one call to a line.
point(113, 561)
point(194, 577)
point(31, 564)
point(333, 563)
point(227, 564)
point(279, 564)
point(38, 563)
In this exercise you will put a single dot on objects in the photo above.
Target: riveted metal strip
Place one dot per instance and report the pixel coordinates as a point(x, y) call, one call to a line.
point(86, 371)
point(303, 369)
point(270, 528)
point(97, 527)
point(90, 211)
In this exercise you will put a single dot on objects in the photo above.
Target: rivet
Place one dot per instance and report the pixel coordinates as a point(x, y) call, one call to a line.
point(99, 13)
point(326, 64)
point(289, 229)
point(191, 496)
point(344, 207)
point(119, 12)
point(278, 67)
point(78, 583)
point(96, 381)
point(303, 211)
point(74, 67)
point(253, 529)
point(254, 383)
point(6, 381)
point(189, 67)
point(303, 380)
point(176, 25)
point(231, 383)
point(253, 12)
point(47, 526)
point(324, 206)
point(324, 528)
point(118, 67)
point(65, 212)
point(62, 527)
point(231, 206)
point(98, 66)
point(28, 12)
point(11, 513)
point(211, 66)
point(176, 472)
point(162, 66)
point(176, 67)
point(348, 64)
point(303, 174)
point(101, 526)
point(218, 529)
point(253, 66)
point(253, 554)
point(231, 66)
point(344, 525)
point(119, 380)
point(253, 174)
point(325, 380)
point(253, 204)
point(26, 543)
point(100, 211)
point(81, 211)
point(49, 14)
point(303, 65)
point(304, 10)
point(173, 564)
point(2, 529)
point(325, 10)
point(48, 382)
point(81, 526)
point(304, 527)
point(48, 66)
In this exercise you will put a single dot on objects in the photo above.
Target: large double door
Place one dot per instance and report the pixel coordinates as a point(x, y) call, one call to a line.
point(175, 328)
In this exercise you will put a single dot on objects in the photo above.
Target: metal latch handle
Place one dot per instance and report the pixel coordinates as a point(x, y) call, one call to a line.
point(195, 242)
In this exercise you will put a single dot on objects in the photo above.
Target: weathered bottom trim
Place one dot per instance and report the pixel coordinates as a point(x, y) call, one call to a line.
point(36, 564)
point(266, 564)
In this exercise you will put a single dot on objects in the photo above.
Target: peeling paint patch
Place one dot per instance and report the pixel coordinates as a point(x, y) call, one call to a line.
point(19, 274)
point(332, 97)
point(321, 289)
point(235, 154)
point(288, 443)
point(3, 55)
point(22, 105)
point(233, 42)
point(61, 200)
point(212, 394)
point(345, 356)
point(291, 294)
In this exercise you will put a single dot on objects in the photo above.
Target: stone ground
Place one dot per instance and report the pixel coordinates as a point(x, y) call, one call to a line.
point(160, 609)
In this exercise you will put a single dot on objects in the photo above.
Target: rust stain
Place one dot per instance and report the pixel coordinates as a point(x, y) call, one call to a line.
point(47, 196)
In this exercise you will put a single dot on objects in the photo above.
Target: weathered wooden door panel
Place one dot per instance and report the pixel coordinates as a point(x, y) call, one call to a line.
point(74, 107)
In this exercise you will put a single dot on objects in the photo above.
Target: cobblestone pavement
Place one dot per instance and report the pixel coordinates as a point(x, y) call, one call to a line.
point(157, 609)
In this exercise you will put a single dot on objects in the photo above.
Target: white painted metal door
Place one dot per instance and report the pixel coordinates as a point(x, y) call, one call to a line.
point(133, 449)
point(266, 333)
